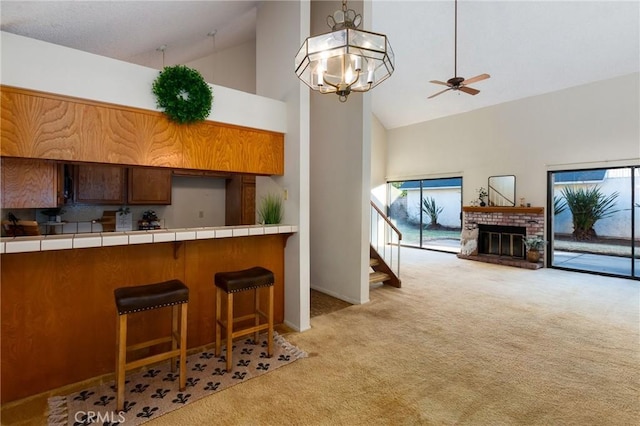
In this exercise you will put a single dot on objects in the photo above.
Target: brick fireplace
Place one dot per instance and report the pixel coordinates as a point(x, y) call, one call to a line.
point(495, 234)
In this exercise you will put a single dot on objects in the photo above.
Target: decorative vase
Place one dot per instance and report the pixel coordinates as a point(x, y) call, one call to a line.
point(533, 256)
point(482, 204)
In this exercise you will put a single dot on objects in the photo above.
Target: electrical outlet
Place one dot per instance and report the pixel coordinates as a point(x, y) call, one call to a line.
point(200, 214)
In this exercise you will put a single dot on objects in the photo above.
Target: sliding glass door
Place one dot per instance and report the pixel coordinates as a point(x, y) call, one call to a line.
point(427, 212)
point(595, 220)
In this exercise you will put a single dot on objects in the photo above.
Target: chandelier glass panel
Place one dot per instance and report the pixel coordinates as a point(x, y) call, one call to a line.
point(346, 59)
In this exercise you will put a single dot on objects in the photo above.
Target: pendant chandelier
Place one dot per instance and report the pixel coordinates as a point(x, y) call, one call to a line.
point(346, 59)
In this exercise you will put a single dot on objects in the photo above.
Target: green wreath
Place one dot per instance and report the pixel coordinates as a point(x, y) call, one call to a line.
point(183, 94)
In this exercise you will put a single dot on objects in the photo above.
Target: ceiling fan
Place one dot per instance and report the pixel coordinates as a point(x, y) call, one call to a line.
point(458, 83)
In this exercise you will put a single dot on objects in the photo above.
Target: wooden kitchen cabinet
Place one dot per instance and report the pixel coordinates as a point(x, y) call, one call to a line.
point(99, 184)
point(30, 183)
point(44, 125)
point(35, 124)
point(149, 186)
point(228, 148)
point(240, 200)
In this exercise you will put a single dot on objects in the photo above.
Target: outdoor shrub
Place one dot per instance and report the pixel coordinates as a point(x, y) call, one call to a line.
point(588, 205)
point(559, 205)
point(432, 210)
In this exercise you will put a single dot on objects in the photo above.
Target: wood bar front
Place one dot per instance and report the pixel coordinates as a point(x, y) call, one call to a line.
point(58, 312)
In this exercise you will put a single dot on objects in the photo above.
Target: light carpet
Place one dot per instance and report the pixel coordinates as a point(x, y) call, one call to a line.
point(461, 343)
point(154, 392)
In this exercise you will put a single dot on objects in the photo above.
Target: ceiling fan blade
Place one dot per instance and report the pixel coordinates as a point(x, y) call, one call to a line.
point(476, 78)
point(439, 93)
point(439, 82)
point(469, 90)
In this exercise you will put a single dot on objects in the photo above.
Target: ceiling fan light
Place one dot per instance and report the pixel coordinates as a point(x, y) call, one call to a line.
point(457, 83)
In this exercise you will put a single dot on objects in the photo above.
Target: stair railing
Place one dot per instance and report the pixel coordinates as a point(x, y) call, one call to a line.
point(385, 238)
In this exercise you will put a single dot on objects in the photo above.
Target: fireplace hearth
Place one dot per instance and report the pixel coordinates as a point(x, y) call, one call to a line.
point(496, 234)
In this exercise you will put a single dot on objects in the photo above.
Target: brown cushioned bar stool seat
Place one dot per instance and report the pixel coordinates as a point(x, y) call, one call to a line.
point(238, 281)
point(130, 300)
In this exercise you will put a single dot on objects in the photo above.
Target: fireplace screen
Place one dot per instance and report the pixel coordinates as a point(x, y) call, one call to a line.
point(502, 240)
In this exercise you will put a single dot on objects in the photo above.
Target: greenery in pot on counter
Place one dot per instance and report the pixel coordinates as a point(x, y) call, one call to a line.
point(271, 209)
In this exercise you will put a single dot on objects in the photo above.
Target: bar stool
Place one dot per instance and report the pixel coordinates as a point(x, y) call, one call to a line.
point(234, 282)
point(130, 300)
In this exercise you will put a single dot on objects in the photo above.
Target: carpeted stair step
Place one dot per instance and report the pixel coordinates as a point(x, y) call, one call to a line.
point(378, 277)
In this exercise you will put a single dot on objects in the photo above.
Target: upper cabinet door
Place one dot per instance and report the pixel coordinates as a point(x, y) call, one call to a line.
point(29, 183)
point(100, 184)
point(149, 186)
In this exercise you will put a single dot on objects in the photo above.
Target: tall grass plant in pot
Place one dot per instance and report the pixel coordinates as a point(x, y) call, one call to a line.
point(271, 210)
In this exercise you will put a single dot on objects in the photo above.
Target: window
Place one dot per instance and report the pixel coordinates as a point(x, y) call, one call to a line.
point(594, 217)
point(427, 212)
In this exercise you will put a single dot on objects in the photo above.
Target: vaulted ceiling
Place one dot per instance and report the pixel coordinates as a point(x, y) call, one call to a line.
point(528, 47)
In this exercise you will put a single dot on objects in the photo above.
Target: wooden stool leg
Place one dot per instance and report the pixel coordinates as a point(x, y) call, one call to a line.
point(229, 330)
point(121, 360)
point(218, 319)
point(270, 319)
point(174, 335)
point(183, 347)
point(256, 307)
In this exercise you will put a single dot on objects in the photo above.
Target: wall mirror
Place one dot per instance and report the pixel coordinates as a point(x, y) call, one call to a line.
point(502, 190)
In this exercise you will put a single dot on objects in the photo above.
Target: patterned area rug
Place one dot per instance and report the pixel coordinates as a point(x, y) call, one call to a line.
point(152, 393)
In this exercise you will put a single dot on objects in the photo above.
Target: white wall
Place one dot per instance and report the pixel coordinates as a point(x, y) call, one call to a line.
point(37, 65)
point(340, 189)
point(378, 163)
point(191, 196)
point(593, 125)
point(282, 25)
point(234, 67)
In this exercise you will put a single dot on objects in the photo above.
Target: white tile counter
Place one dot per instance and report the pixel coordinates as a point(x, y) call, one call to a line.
point(107, 239)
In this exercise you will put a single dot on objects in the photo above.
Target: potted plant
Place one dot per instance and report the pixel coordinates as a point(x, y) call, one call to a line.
point(270, 210)
point(482, 194)
point(533, 245)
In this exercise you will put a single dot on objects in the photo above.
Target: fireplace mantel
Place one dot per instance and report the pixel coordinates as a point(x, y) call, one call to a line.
point(517, 210)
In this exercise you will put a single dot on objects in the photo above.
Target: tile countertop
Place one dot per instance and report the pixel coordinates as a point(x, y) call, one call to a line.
point(105, 239)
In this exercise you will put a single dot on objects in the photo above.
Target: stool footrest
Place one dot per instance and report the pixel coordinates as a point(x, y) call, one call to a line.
point(149, 343)
point(152, 359)
point(247, 317)
point(249, 330)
